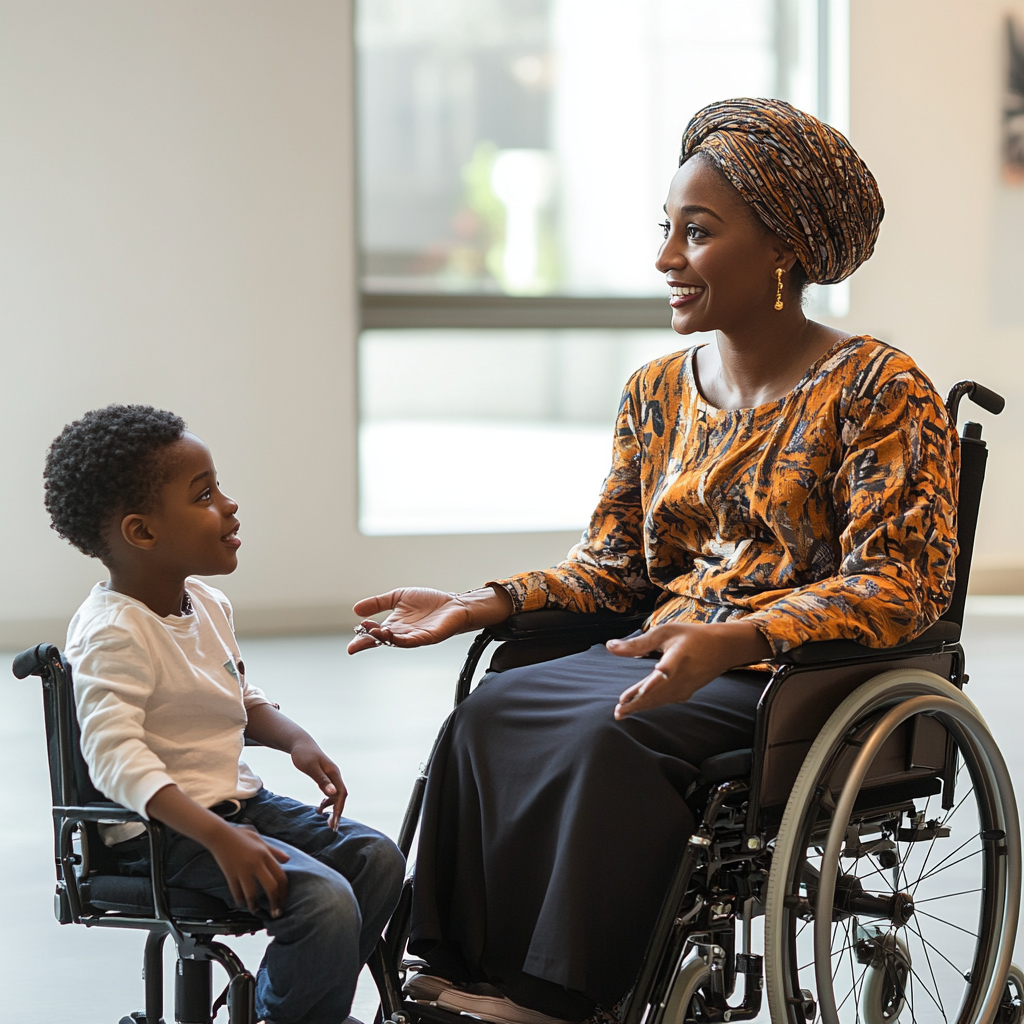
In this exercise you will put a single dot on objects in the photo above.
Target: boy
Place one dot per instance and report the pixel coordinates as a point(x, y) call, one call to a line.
point(164, 706)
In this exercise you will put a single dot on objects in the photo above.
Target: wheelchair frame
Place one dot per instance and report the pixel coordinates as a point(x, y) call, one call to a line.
point(746, 791)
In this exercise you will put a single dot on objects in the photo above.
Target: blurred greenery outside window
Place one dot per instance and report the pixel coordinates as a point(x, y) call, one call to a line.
point(513, 158)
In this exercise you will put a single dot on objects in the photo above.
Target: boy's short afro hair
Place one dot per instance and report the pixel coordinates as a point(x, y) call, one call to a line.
point(104, 464)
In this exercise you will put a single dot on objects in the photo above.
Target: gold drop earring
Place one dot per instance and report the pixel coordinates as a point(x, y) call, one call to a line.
point(778, 293)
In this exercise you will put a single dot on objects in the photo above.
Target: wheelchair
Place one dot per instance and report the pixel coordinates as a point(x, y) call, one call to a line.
point(872, 826)
point(92, 893)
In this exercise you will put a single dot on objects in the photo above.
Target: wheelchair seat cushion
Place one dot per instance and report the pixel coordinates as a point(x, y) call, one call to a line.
point(135, 896)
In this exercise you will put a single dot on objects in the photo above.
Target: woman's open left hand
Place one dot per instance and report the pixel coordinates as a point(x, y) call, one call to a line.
point(692, 654)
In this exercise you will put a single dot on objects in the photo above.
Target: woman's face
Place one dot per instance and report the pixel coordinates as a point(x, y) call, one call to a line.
point(718, 258)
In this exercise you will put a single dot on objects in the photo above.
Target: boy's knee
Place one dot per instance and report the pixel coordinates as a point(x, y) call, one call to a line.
point(333, 905)
point(387, 866)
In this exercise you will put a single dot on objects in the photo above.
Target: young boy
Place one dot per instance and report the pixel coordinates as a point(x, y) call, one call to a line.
point(164, 707)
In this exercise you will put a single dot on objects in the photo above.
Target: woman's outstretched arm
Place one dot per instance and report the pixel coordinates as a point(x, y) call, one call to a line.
point(419, 616)
point(605, 570)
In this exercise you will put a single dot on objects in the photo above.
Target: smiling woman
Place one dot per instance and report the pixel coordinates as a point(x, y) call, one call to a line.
point(783, 483)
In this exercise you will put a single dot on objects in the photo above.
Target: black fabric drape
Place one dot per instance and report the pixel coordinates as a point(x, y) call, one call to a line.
point(550, 830)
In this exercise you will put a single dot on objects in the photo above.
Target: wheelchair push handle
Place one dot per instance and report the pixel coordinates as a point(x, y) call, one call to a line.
point(32, 662)
point(977, 393)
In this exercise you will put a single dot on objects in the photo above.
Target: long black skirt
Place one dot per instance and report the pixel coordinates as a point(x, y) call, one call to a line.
point(550, 831)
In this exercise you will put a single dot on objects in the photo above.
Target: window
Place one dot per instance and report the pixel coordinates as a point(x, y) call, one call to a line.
point(513, 157)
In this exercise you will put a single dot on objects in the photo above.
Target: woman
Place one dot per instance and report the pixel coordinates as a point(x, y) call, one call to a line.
point(784, 484)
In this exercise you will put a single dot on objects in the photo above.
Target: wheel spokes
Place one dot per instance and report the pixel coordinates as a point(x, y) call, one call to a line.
point(898, 983)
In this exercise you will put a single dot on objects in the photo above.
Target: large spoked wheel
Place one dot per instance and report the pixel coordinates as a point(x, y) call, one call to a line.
point(899, 912)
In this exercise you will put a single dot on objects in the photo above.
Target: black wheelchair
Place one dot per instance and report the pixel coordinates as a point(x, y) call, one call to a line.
point(873, 790)
point(91, 892)
point(872, 826)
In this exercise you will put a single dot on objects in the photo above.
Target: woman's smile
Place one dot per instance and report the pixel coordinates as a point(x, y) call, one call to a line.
point(231, 539)
point(681, 294)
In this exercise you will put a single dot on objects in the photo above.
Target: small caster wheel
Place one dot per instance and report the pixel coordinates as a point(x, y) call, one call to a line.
point(1011, 1009)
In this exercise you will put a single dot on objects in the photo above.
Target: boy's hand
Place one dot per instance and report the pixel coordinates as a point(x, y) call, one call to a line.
point(268, 726)
point(247, 862)
point(312, 761)
point(250, 864)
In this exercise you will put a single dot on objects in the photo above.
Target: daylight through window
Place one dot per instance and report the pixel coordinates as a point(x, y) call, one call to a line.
point(514, 156)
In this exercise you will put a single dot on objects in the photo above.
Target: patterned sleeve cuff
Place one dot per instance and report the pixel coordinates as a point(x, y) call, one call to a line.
point(524, 597)
point(783, 632)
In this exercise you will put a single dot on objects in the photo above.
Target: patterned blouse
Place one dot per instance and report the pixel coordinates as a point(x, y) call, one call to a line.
point(830, 513)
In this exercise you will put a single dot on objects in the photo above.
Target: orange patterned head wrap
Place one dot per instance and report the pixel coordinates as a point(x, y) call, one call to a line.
point(800, 176)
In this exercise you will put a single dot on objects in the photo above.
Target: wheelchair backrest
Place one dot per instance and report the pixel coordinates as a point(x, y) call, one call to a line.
point(70, 784)
point(973, 457)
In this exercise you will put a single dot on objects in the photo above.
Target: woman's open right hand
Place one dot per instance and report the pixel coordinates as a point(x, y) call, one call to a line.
point(420, 616)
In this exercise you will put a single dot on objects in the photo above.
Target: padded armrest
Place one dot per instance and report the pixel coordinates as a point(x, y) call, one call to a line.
point(551, 622)
point(548, 623)
point(823, 652)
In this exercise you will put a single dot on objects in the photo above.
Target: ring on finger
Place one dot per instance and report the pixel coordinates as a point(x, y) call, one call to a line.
point(361, 630)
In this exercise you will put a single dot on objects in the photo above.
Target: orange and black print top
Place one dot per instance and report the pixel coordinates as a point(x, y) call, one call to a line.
point(830, 513)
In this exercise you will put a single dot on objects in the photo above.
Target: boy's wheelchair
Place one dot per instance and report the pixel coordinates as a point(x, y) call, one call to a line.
point(91, 892)
point(872, 826)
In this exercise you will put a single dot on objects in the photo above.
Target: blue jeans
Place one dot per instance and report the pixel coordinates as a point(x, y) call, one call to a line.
point(342, 888)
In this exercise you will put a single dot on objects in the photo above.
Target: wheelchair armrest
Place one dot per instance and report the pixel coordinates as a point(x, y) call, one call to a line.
point(552, 622)
point(106, 812)
point(824, 652)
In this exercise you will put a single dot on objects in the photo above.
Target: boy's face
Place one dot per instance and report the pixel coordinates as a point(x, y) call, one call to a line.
point(193, 529)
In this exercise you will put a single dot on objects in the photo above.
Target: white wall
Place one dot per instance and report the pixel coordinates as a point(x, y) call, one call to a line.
point(176, 202)
point(176, 195)
point(926, 98)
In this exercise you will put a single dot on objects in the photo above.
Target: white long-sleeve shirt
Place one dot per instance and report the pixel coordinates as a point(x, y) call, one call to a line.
point(161, 700)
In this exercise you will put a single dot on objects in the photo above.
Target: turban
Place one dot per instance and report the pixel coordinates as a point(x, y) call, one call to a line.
point(800, 176)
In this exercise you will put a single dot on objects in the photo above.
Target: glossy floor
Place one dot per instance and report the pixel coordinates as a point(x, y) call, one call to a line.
point(376, 715)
